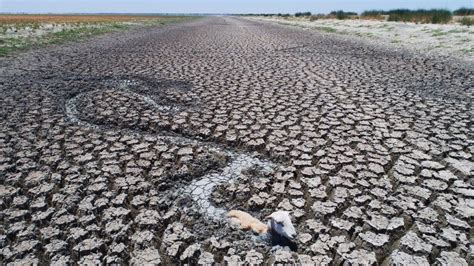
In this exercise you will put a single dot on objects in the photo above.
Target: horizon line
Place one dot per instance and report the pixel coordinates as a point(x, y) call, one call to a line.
point(197, 13)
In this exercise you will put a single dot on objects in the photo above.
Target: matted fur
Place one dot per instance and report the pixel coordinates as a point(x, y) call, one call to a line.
point(247, 221)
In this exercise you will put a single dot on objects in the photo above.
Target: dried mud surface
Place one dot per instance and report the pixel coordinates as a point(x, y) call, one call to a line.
point(127, 148)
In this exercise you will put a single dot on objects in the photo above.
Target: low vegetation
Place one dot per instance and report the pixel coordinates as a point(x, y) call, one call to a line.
point(467, 21)
point(302, 14)
point(448, 40)
point(20, 32)
point(326, 29)
point(464, 11)
point(373, 14)
point(434, 16)
point(334, 14)
point(21, 19)
point(340, 14)
point(265, 15)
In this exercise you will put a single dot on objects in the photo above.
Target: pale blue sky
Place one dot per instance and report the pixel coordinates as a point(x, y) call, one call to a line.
point(218, 6)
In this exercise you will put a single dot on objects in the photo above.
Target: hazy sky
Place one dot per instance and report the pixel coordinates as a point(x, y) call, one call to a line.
point(218, 6)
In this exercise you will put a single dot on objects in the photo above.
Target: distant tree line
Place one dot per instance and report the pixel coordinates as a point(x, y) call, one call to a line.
point(436, 16)
point(404, 15)
point(266, 14)
point(464, 11)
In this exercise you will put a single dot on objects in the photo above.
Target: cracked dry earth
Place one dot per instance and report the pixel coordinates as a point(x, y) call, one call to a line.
point(127, 148)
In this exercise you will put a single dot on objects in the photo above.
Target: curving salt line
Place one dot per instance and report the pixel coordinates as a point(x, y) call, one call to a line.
point(199, 190)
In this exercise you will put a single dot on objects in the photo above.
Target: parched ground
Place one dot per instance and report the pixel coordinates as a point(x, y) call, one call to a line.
point(127, 148)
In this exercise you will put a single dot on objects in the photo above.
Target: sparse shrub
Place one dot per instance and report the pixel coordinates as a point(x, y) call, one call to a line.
point(441, 16)
point(373, 14)
point(436, 16)
point(316, 17)
point(464, 11)
point(467, 21)
point(341, 14)
point(302, 14)
point(326, 29)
